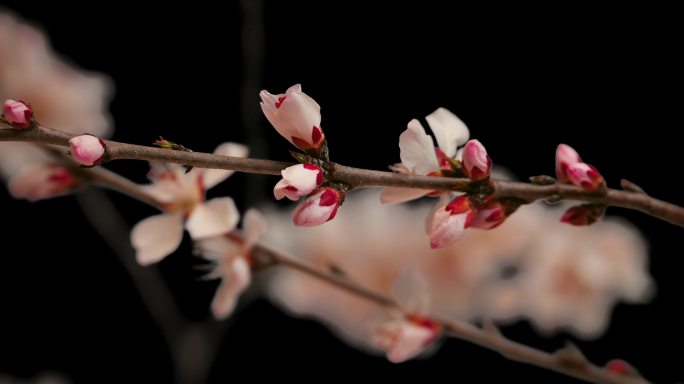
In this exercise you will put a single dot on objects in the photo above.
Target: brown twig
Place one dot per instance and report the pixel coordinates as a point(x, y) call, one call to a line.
point(359, 178)
point(568, 360)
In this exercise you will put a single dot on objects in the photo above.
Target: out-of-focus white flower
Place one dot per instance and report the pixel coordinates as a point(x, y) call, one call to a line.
point(232, 256)
point(418, 153)
point(182, 197)
point(41, 181)
point(62, 97)
point(495, 274)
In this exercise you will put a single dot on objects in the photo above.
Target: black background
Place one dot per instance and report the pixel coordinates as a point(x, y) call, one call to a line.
point(606, 81)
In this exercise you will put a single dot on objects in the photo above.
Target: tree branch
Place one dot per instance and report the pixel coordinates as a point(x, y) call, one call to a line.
point(568, 361)
point(360, 178)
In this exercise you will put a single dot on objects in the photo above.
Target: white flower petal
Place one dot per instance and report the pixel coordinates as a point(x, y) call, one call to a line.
point(448, 129)
point(417, 150)
point(156, 237)
point(411, 290)
point(236, 281)
point(396, 195)
point(212, 177)
point(213, 218)
point(254, 226)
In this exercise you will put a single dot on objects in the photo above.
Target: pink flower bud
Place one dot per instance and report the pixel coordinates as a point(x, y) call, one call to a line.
point(585, 176)
point(298, 180)
point(450, 222)
point(17, 113)
point(585, 214)
point(494, 212)
point(295, 115)
point(319, 207)
point(476, 162)
point(42, 181)
point(565, 157)
point(87, 150)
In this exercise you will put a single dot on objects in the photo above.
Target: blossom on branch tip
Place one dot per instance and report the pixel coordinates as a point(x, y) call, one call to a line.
point(321, 206)
point(87, 150)
point(476, 163)
point(298, 180)
point(448, 223)
point(585, 176)
point(232, 257)
point(296, 116)
point(17, 113)
point(182, 199)
point(565, 157)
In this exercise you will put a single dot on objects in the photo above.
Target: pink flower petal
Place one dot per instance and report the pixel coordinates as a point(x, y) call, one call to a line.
point(448, 129)
point(232, 285)
point(215, 217)
point(212, 177)
point(417, 150)
point(156, 237)
point(396, 195)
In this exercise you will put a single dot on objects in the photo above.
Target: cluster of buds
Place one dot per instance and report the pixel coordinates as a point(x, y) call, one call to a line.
point(297, 117)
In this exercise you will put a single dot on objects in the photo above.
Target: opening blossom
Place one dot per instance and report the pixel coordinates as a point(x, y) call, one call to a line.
point(418, 153)
point(232, 255)
point(182, 197)
point(320, 207)
point(448, 223)
point(87, 150)
point(17, 113)
point(298, 180)
point(407, 335)
point(296, 116)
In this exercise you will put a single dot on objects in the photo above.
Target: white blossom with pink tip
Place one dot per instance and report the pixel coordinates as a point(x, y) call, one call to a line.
point(232, 256)
point(318, 208)
point(295, 115)
point(409, 333)
point(448, 223)
point(182, 197)
point(565, 157)
point(419, 155)
point(87, 150)
point(42, 181)
point(298, 180)
point(476, 163)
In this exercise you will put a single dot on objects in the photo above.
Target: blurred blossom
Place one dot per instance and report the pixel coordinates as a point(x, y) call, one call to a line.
point(62, 96)
point(232, 262)
point(531, 266)
point(44, 378)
